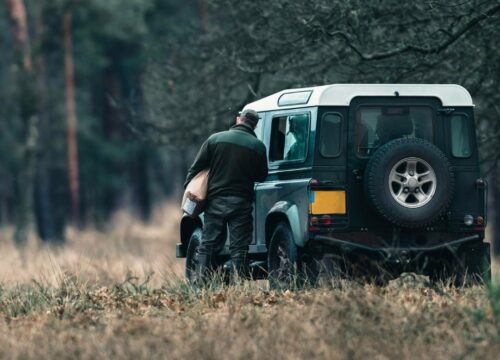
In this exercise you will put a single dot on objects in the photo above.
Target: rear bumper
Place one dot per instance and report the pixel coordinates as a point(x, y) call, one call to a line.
point(397, 255)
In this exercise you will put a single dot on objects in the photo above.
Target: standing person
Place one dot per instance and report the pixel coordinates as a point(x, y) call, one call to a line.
point(236, 159)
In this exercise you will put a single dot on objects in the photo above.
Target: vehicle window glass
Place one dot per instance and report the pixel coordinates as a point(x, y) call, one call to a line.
point(329, 142)
point(289, 135)
point(377, 125)
point(460, 136)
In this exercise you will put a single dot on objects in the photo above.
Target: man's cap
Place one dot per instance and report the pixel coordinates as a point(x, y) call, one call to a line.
point(250, 115)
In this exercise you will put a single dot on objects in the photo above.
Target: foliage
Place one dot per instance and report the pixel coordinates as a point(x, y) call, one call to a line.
point(173, 72)
point(253, 48)
point(116, 168)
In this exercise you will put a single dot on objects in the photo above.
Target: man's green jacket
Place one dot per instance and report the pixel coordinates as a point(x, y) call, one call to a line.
point(236, 159)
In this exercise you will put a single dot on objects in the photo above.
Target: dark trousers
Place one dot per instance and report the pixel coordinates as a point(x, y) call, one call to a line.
point(225, 212)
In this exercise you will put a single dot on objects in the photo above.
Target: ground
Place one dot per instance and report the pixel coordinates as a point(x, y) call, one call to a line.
point(120, 294)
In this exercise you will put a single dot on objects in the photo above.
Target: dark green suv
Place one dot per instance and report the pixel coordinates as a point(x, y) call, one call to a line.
point(366, 179)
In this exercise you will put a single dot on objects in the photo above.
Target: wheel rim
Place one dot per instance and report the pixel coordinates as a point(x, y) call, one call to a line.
point(412, 182)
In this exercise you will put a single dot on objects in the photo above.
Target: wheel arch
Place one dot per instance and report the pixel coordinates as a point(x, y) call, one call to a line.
point(285, 211)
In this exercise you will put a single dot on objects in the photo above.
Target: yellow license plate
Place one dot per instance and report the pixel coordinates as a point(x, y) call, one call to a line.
point(327, 202)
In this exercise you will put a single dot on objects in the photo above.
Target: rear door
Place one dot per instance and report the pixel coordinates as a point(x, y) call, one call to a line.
point(373, 122)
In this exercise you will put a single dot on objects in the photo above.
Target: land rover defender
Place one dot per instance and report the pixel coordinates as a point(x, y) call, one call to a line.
point(368, 177)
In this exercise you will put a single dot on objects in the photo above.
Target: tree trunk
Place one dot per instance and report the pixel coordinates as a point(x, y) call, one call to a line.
point(17, 13)
point(44, 182)
point(494, 211)
point(74, 184)
point(28, 112)
point(203, 11)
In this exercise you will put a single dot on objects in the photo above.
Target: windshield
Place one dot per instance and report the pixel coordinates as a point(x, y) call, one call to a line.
point(377, 125)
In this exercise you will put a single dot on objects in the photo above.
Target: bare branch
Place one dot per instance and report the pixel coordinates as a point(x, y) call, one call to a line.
point(419, 49)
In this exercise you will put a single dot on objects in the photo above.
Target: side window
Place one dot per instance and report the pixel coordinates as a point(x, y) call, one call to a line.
point(460, 136)
point(289, 138)
point(330, 137)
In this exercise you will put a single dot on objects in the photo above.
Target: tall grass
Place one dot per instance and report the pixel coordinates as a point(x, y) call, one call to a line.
point(96, 256)
point(121, 294)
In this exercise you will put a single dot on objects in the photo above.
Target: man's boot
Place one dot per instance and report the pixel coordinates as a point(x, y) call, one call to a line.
point(240, 266)
point(202, 269)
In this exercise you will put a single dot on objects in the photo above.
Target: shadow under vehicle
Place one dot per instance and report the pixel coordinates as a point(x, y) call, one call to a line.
point(366, 179)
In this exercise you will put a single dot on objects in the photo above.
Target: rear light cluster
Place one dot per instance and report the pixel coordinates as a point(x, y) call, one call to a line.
point(478, 222)
point(481, 183)
point(322, 220)
point(320, 223)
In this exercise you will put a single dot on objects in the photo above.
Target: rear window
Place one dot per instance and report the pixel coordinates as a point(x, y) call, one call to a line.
point(377, 125)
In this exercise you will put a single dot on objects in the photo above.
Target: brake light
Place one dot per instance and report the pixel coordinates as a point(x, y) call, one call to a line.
point(313, 182)
point(326, 220)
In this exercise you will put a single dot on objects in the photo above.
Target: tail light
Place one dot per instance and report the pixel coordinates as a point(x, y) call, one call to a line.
point(326, 220)
point(480, 183)
point(313, 182)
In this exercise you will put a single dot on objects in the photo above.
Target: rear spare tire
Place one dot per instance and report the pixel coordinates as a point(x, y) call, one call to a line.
point(410, 182)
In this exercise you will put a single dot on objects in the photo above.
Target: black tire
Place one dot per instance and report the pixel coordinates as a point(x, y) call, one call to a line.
point(194, 243)
point(378, 191)
point(286, 270)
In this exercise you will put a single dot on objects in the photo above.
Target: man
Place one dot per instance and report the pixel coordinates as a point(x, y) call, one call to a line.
point(236, 159)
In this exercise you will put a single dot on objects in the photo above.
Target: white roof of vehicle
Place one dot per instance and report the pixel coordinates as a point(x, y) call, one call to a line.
point(342, 94)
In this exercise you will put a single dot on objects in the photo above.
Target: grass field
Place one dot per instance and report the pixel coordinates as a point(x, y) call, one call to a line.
point(120, 294)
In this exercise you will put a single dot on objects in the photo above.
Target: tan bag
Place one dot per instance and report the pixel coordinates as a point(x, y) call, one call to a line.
point(195, 195)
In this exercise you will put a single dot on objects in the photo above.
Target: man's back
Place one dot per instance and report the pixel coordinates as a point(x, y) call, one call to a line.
point(236, 159)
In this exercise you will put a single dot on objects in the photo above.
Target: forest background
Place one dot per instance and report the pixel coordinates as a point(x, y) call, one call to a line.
point(104, 103)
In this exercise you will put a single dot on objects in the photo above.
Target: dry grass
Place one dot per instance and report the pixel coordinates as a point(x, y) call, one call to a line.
point(79, 302)
point(96, 257)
